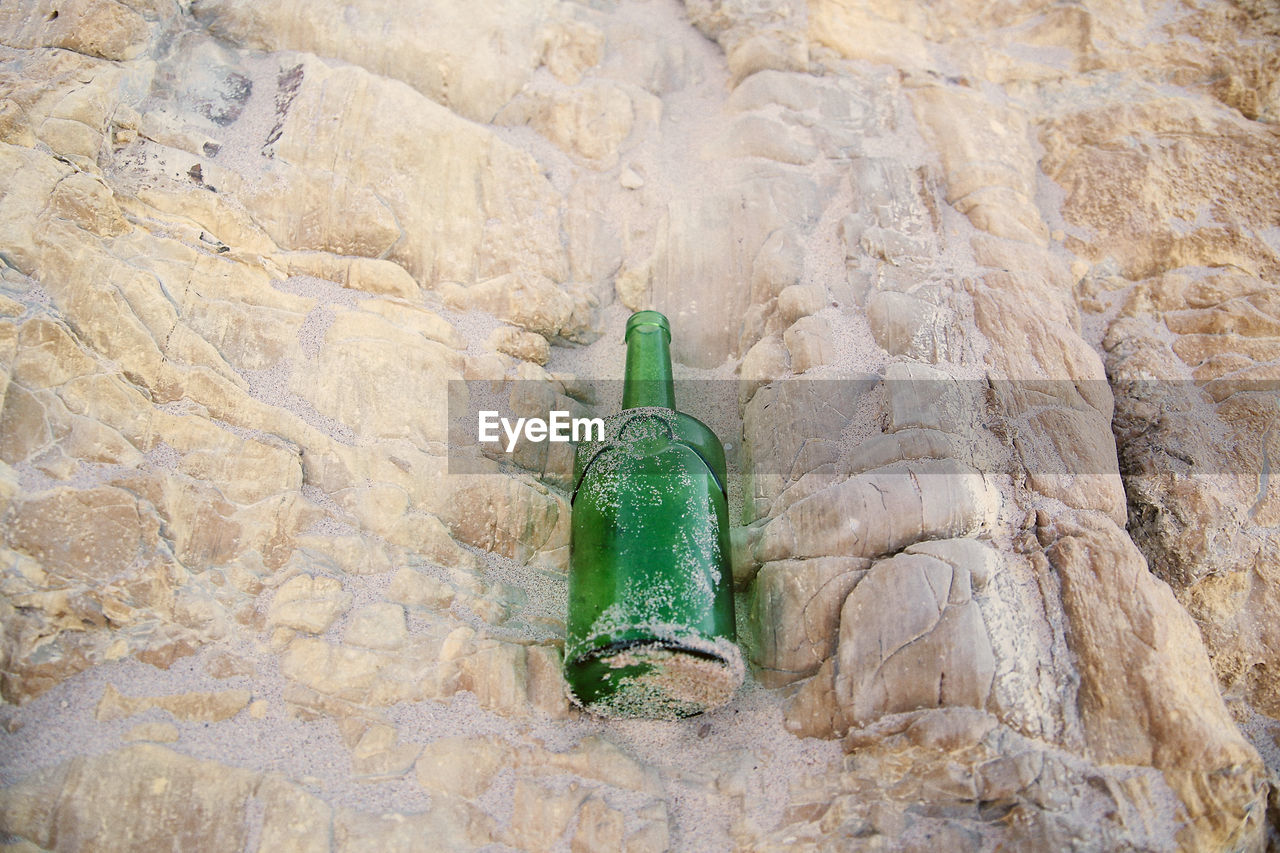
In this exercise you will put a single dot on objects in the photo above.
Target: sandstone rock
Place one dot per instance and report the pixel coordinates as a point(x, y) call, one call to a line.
point(572, 47)
point(1197, 499)
point(597, 758)
point(520, 344)
point(809, 343)
point(347, 673)
point(1055, 363)
point(702, 240)
point(292, 819)
point(243, 248)
point(860, 33)
point(377, 626)
point(427, 323)
point(912, 637)
point(153, 732)
point(1070, 455)
point(1231, 184)
point(905, 444)
point(460, 766)
point(368, 275)
point(450, 822)
point(188, 801)
point(543, 815)
point(590, 121)
point(755, 37)
point(419, 589)
point(436, 50)
point(906, 325)
point(378, 755)
point(189, 707)
point(81, 535)
point(401, 373)
point(308, 603)
point(94, 27)
point(926, 398)
point(799, 301)
point(766, 361)
point(757, 136)
point(894, 219)
point(599, 827)
point(508, 517)
point(631, 179)
point(990, 173)
point(791, 429)
point(481, 218)
point(1113, 732)
point(529, 301)
point(1093, 559)
point(797, 604)
point(882, 511)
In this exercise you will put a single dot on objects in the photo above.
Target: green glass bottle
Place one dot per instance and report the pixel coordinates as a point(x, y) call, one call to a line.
point(650, 631)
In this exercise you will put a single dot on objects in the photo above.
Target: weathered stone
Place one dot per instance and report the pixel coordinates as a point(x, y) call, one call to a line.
point(368, 275)
point(441, 53)
point(247, 249)
point(347, 673)
point(757, 136)
point(81, 535)
point(153, 732)
point(791, 429)
point(860, 33)
point(460, 766)
point(1145, 665)
point(799, 301)
point(377, 626)
point(520, 344)
point(470, 214)
point(187, 801)
point(449, 822)
point(1171, 216)
point(987, 159)
point(797, 606)
point(599, 827)
point(189, 707)
point(377, 753)
point(590, 121)
point(912, 637)
point(94, 27)
point(308, 603)
point(809, 343)
point(882, 511)
point(1070, 455)
point(292, 819)
point(755, 37)
point(906, 325)
point(704, 240)
point(542, 814)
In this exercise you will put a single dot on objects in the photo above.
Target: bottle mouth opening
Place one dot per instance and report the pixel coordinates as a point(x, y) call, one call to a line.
point(642, 319)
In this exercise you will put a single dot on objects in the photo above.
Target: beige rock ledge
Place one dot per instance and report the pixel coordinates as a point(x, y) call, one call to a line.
point(245, 247)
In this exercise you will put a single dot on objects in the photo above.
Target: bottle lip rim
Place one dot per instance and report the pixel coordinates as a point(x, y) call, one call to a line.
point(647, 318)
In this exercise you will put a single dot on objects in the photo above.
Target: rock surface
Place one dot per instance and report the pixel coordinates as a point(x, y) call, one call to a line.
point(981, 298)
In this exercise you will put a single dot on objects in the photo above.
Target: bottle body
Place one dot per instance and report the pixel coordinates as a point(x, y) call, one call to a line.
point(650, 629)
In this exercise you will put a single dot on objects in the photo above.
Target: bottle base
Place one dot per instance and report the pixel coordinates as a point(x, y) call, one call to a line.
point(655, 679)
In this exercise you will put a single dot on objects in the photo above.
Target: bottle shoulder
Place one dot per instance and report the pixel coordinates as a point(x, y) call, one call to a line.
point(647, 430)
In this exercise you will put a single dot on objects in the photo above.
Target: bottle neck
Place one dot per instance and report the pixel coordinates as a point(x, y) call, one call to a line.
point(648, 380)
